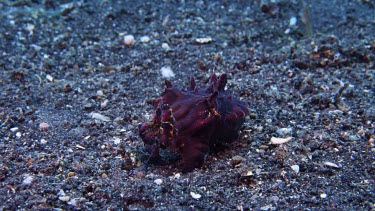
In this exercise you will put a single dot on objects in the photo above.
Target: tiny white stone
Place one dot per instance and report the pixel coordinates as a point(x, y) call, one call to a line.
point(258, 171)
point(165, 46)
point(353, 138)
point(158, 181)
point(167, 72)
point(73, 202)
point(330, 164)
point(43, 125)
point(177, 176)
point(275, 140)
point(30, 28)
point(99, 93)
point(43, 141)
point(18, 134)
point(61, 193)
point(284, 131)
point(28, 179)
point(64, 198)
point(292, 21)
point(295, 168)
point(49, 77)
point(204, 40)
point(323, 195)
point(104, 103)
point(116, 140)
point(99, 117)
point(36, 47)
point(129, 39)
point(13, 129)
point(195, 195)
point(145, 39)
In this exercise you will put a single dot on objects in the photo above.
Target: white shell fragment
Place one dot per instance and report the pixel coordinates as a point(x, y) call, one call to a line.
point(129, 39)
point(295, 168)
point(28, 179)
point(284, 131)
point(14, 129)
point(203, 40)
point(145, 39)
point(167, 72)
point(64, 198)
point(49, 78)
point(99, 117)
point(292, 21)
point(116, 140)
point(275, 140)
point(330, 164)
point(195, 195)
point(158, 181)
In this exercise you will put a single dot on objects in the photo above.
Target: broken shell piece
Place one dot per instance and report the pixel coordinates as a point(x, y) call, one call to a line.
point(330, 164)
point(203, 40)
point(43, 125)
point(158, 181)
point(295, 168)
point(195, 195)
point(275, 140)
point(100, 117)
point(49, 78)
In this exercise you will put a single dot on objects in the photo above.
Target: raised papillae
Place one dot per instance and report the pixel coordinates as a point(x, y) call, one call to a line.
point(192, 121)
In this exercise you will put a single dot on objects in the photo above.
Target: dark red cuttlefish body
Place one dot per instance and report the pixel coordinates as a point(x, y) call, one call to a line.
point(191, 121)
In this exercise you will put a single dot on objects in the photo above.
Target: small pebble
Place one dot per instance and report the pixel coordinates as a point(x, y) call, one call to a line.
point(275, 140)
point(165, 46)
point(43, 125)
point(267, 207)
point(28, 180)
point(177, 176)
point(292, 21)
point(158, 181)
point(167, 72)
point(236, 160)
point(99, 93)
point(99, 117)
point(353, 138)
point(145, 39)
point(258, 171)
point(49, 78)
point(118, 120)
point(73, 202)
point(323, 195)
point(129, 40)
point(43, 141)
point(36, 47)
point(104, 103)
point(14, 129)
point(284, 131)
point(18, 134)
point(195, 195)
point(64, 198)
point(203, 40)
point(274, 198)
point(116, 140)
point(330, 164)
point(295, 168)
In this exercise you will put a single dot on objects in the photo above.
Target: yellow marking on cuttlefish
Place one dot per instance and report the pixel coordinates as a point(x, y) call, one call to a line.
point(216, 114)
point(171, 132)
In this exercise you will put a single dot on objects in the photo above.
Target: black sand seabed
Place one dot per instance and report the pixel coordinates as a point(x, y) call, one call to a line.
point(73, 93)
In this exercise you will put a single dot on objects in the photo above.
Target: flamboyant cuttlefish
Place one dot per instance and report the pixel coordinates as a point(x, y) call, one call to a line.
point(192, 121)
